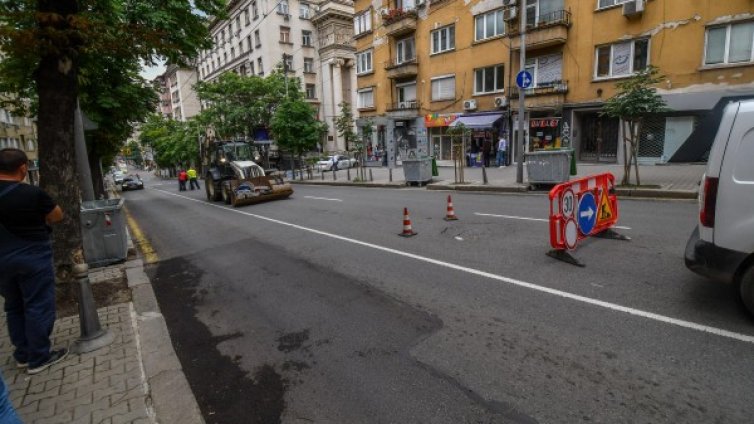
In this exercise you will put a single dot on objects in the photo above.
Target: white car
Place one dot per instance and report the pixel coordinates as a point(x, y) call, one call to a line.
point(343, 162)
point(722, 244)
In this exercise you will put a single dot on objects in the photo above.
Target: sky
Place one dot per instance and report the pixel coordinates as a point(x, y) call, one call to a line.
point(151, 72)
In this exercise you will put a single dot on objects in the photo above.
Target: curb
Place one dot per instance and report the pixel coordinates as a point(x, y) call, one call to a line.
point(169, 390)
point(657, 193)
point(349, 184)
point(479, 188)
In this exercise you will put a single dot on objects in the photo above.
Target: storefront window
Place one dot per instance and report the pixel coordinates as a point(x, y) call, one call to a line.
point(544, 133)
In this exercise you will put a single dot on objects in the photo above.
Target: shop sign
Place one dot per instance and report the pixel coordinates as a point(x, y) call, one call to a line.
point(544, 123)
point(437, 120)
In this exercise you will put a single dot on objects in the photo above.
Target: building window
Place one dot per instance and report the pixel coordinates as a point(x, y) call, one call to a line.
point(306, 38)
point(238, 24)
point(362, 22)
point(282, 7)
point(444, 39)
point(545, 70)
point(444, 88)
point(251, 68)
point(260, 68)
point(405, 51)
point(489, 79)
point(288, 62)
point(246, 19)
point(609, 3)
point(365, 99)
point(254, 10)
point(364, 62)
point(308, 65)
point(303, 11)
point(310, 91)
point(622, 59)
point(232, 53)
point(406, 95)
point(248, 43)
point(729, 44)
point(285, 35)
point(489, 25)
point(257, 39)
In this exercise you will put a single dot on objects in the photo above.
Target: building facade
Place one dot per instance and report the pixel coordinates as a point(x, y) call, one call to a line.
point(178, 99)
point(20, 132)
point(425, 66)
point(312, 37)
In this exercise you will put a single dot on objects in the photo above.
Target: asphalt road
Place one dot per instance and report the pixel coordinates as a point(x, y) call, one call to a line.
point(313, 309)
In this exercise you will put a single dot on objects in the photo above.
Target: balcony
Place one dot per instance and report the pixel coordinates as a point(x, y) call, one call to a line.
point(408, 68)
point(546, 30)
point(542, 89)
point(408, 105)
point(399, 21)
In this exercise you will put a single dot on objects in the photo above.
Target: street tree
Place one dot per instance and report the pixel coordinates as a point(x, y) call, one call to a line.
point(344, 125)
point(44, 44)
point(459, 134)
point(296, 128)
point(636, 99)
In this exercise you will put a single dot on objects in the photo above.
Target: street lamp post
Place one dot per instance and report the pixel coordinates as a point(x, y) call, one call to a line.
point(521, 99)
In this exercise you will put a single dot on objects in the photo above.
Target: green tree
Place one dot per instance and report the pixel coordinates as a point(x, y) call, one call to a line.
point(45, 43)
point(635, 100)
point(174, 143)
point(296, 128)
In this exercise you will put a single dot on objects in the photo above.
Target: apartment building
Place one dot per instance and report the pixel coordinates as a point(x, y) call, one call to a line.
point(178, 99)
point(424, 66)
point(20, 132)
point(314, 36)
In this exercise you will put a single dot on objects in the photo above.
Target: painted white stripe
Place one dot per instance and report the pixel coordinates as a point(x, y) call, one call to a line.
point(588, 300)
point(526, 218)
point(322, 198)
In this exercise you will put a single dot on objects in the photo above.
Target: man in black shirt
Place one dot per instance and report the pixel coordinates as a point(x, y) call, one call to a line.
point(27, 280)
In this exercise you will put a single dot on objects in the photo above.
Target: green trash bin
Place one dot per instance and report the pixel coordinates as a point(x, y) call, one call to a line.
point(435, 172)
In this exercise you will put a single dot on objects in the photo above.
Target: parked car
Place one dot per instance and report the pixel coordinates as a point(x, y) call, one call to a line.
point(342, 161)
point(118, 177)
point(132, 182)
point(722, 244)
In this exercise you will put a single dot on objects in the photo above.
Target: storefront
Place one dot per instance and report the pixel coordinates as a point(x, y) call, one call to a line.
point(544, 133)
point(485, 130)
point(440, 141)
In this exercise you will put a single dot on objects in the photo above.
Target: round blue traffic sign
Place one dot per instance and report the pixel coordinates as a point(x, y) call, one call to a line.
point(587, 214)
point(524, 79)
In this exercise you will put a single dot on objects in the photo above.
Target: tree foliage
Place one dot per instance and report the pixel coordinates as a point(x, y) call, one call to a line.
point(174, 143)
point(295, 126)
point(635, 100)
point(345, 126)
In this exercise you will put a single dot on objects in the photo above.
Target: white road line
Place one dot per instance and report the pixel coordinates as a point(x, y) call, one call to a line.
point(323, 198)
point(526, 218)
point(588, 300)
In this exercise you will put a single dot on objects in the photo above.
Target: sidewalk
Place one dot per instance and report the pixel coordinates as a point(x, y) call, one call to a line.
point(663, 181)
point(136, 379)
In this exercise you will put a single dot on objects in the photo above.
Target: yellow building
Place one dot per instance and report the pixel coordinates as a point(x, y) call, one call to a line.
point(425, 65)
point(21, 133)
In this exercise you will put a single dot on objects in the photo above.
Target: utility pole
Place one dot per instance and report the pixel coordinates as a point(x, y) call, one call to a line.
point(521, 100)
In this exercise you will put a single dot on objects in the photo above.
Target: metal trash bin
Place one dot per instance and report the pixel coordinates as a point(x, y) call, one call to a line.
point(417, 170)
point(548, 166)
point(103, 230)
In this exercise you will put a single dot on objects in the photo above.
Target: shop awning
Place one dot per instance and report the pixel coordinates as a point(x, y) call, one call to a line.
point(477, 121)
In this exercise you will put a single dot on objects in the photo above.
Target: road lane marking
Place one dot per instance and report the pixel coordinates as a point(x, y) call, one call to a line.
point(140, 240)
point(322, 198)
point(512, 281)
point(526, 218)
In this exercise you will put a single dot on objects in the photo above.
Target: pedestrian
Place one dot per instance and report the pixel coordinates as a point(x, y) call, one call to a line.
point(192, 178)
point(182, 178)
point(486, 152)
point(502, 145)
point(27, 281)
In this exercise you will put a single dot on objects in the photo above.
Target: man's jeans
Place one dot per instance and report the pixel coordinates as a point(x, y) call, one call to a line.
point(7, 413)
point(193, 182)
point(500, 157)
point(27, 282)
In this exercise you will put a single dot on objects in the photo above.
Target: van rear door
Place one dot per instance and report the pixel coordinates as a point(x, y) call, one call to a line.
point(734, 211)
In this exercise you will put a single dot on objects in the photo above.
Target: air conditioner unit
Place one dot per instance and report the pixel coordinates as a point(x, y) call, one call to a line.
point(510, 14)
point(469, 104)
point(501, 102)
point(509, 3)
point(633, 8)
point(421, 3)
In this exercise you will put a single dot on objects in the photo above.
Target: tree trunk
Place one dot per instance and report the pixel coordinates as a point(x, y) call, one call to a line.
point(57, 88)
point(626, 166)
point(636, 150)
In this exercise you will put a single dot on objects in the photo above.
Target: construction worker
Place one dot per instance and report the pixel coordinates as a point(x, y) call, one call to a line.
point(192, 178)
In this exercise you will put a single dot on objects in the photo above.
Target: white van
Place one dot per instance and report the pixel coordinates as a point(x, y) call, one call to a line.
point(722, 245)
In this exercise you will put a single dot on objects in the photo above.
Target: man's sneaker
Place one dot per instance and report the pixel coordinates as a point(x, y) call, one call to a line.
point(22, 364)
point(55, 357)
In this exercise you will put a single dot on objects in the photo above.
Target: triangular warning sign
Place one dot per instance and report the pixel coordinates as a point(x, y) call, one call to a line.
point(605, 211)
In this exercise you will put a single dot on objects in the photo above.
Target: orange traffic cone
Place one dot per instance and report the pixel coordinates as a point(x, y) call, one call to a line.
point(407, 231)
point(451, 215)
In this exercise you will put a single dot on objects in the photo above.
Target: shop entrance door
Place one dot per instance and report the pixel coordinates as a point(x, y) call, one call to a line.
point(599, 140)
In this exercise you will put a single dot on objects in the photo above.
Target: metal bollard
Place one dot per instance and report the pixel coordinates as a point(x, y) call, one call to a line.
point(322, 174)
point(92, 336)
point(484, 175)
point(348, 174)
point(334, 175)
point(371, 177)
point(390, 174)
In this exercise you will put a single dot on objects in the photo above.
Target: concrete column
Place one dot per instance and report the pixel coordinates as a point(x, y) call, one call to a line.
point(337, 78)
point(327, 105)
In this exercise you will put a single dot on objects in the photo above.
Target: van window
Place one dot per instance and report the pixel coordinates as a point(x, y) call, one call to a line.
point(744, 168)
